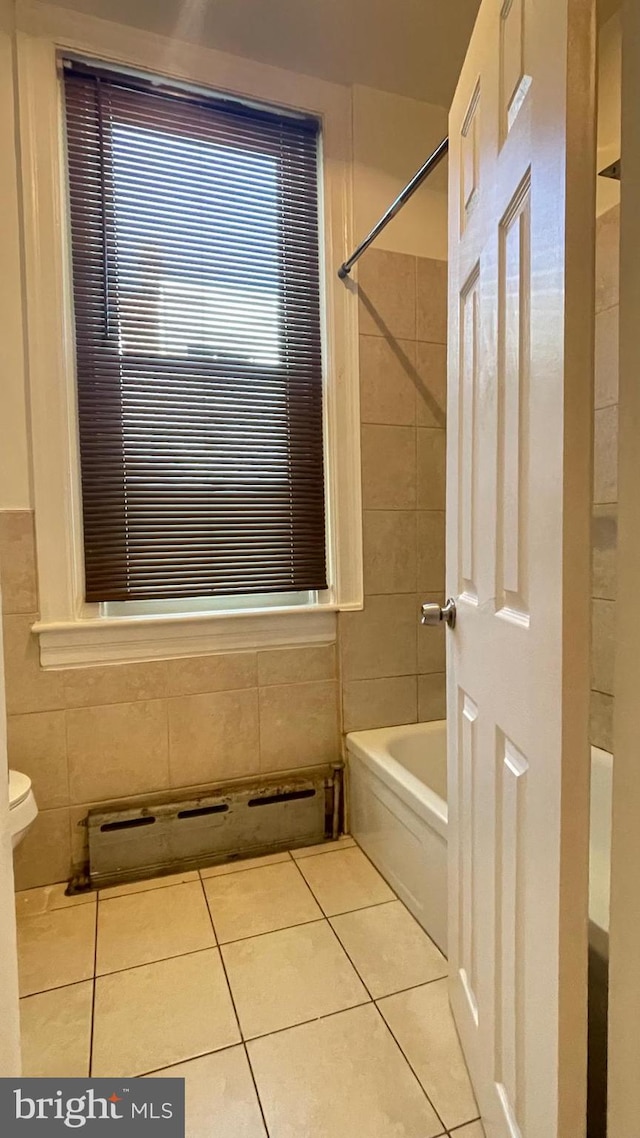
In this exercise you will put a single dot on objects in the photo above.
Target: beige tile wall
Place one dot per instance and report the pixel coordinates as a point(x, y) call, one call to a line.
point(91, 736)
point(392, 669)
point(605, 479)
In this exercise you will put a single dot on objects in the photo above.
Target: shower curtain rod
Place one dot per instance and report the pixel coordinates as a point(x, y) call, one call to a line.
point(403, 196)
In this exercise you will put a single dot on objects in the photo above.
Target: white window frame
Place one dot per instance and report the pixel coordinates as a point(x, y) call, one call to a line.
point(71, 632)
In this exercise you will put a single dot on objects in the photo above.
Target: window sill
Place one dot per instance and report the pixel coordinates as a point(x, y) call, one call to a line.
point(119, 640)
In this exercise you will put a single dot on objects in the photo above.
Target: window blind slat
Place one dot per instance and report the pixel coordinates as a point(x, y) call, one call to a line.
point(195, 245)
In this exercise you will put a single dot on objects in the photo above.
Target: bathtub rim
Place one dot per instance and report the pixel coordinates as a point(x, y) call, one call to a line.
point(371, 747)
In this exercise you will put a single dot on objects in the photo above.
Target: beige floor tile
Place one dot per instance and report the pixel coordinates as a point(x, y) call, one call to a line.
point(389, 949)
point(46, 898)
point(242, 864)
point(144, 927)
point(56, 948)
point(284, 978)
point(340, 1076)
point(160, 1014)
point(150, 883)
point(259, 901)
point(345, 880)
point(473, 1130)
point(219, 1087)
point(55, 1032)
point(422, 1022)
point(343, 843)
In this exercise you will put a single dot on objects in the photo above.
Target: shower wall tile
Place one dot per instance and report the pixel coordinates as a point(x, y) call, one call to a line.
point(431, 300)
point(605, 458)
point(431, 641)
point(608, 259)
point(37, 746)
point(388, 381)
point(403, 387)
point(430, 533)
point(432, 460)
point(113, 683)
point(380, 703)
point(194, 675)
point(295, 665)
point(213, 737)
point(604, 547)
point(381, 640)
point(44, 855)
point(602, 721)
point(388, 467)
point(28, 686)
point(607, 360)
point(299, 725)
point(18, 562)
point(602, 646)
point(387, 295)
point(604, 534)
point(432, 698)
point(117, 750)
point(389, 551)
point(431, 389)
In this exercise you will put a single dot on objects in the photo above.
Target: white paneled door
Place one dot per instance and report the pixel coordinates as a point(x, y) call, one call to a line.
point(521, 239)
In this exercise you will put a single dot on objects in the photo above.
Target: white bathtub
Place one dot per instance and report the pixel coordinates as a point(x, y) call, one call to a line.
point(398, 814)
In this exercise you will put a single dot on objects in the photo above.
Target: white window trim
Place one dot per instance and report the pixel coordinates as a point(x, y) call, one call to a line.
point(70, 631)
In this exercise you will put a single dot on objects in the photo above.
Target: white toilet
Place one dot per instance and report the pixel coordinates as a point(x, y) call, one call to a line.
point(22, 806)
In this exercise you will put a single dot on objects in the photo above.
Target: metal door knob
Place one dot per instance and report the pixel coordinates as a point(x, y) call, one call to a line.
point(435, 614)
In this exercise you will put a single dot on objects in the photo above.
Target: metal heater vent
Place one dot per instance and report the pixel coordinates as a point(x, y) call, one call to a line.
point(232, 821)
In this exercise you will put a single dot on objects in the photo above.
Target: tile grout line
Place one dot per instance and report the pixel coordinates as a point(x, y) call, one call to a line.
point(401, 1050)
point(252, 936)
point(266, 1035)
point(194, 951)
point(366, 988)
point(375, 1005)
point(240, 940)
point(306, 1022)
point(242, 1041)
point(412, 1069)
point(235, 1010)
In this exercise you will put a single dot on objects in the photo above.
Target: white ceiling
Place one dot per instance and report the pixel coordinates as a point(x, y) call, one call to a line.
point(410, 47)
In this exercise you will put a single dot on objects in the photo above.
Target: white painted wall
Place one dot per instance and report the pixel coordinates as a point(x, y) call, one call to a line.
point(393, 135)
point(14, 465)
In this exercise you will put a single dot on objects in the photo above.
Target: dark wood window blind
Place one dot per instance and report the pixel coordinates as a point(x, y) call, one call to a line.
point(194, 225)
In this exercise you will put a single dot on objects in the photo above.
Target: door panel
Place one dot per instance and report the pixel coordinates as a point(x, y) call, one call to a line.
point(521, 220)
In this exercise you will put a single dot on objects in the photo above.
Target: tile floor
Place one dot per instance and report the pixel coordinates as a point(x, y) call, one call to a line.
point(294, 993)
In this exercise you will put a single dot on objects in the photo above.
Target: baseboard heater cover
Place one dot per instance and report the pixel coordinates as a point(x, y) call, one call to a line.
point(231, 821)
